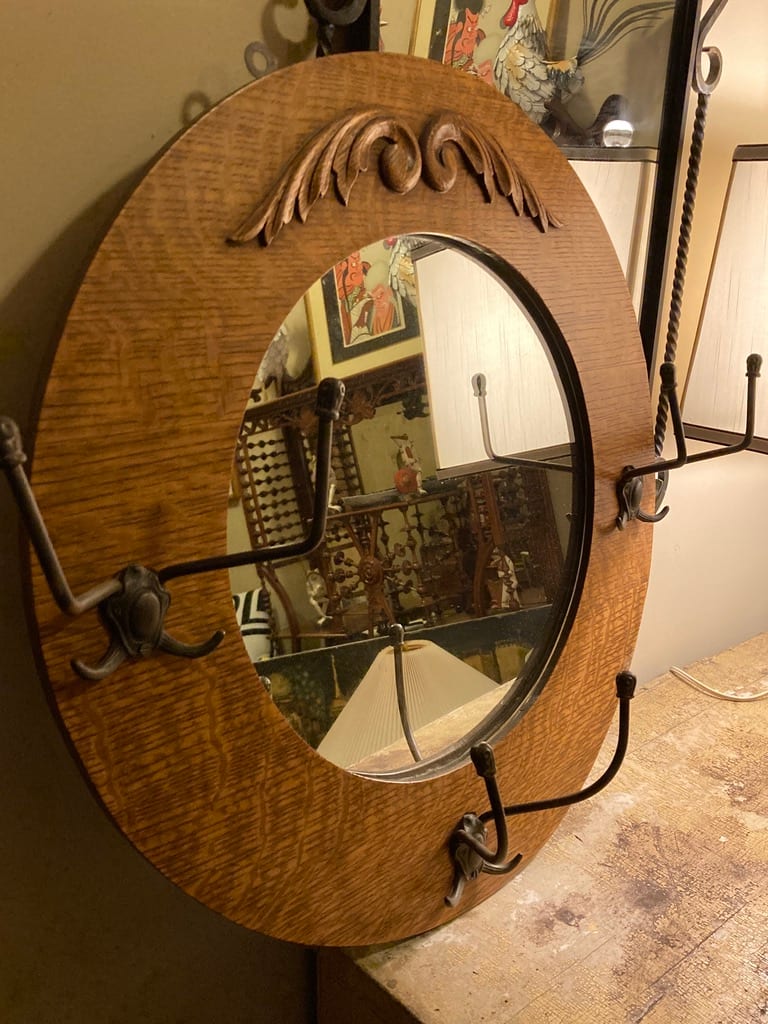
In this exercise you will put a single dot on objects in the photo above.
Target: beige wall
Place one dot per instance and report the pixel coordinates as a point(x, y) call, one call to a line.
point(89, 932)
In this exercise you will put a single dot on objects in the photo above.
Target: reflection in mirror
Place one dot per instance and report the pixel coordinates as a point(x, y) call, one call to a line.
point(469, 555)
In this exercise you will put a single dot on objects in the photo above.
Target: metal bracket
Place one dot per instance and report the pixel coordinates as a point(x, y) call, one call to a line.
point(629, 487)
point(479, 390)
point(133, 604)
point(345, 26)
point(470, 832)
point(467, 861)
point(705, 84)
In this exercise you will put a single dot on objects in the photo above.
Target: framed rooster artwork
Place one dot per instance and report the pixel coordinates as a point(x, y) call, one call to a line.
point(572, 65)
point(370, 299)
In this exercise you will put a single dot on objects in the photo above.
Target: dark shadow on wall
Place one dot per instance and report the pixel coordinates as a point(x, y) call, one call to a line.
point(33, 313)
point(90, 933)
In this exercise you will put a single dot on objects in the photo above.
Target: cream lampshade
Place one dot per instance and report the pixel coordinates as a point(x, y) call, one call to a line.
point(734, 320)
point(620, 183)
point(436, 683)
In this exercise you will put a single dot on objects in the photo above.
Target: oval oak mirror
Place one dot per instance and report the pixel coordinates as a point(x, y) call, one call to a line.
point(133, 463)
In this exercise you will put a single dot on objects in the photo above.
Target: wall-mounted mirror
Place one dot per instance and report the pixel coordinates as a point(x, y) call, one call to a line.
point(476, 559)
point(194, 760)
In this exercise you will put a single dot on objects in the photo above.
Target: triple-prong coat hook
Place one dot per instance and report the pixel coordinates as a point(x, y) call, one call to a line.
point(467, 843)
point(629, 487)
point(132, 605)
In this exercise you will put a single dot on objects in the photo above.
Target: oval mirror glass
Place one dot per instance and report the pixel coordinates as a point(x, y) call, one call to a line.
point(434, 607)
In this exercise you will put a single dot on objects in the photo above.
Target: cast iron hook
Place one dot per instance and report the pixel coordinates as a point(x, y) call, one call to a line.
point(630, 484)
point(467, 843)
point(133, 618)
point(133, 604)
point(468, 848)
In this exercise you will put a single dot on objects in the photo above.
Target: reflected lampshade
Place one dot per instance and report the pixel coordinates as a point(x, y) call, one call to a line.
point(436, 683)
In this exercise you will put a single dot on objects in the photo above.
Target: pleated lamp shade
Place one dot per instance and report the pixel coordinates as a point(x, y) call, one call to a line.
point(436, 683)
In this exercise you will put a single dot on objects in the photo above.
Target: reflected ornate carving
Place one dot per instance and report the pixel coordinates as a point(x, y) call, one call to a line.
point(340, 152)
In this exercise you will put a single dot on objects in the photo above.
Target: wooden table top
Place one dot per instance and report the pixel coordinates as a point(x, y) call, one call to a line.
point(650, 903)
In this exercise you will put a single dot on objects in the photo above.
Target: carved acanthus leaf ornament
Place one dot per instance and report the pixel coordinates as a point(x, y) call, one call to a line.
point(335, 157)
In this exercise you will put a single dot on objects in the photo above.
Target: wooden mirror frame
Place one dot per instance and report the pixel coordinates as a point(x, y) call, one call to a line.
point(132, 464)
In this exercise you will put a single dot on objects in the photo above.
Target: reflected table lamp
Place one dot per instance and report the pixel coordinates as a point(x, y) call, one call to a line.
point(734, 320)
point(436, 683)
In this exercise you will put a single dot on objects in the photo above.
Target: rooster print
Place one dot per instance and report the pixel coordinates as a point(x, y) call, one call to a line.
point(508, 45)
point(370, 298)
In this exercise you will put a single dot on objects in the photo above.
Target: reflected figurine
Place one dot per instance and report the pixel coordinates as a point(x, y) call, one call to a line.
point(318, 596)
point(504, 588)
point(331, 484)
point(408, 476)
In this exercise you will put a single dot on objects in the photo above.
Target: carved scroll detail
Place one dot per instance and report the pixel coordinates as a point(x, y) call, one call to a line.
point(337, 155)
point(498, 174)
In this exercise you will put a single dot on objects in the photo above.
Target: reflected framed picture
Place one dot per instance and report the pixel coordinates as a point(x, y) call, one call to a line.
point(370, 299)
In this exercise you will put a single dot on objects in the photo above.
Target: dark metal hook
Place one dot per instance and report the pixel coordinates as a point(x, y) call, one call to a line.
point(133, 604)
point(330, 395)
point(12, 459)
point(133, 618)
point(470, 834)
point(630, 484)
point(468, 847)
point(480, 392)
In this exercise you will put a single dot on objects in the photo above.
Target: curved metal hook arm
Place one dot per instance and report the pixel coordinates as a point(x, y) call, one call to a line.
point(630, 485)
point(493, 862)
point(480, 392)
point(396, 634)
point(705, 84)
point(469, 851)
point(12, 457)
point(330, 395)
point(625, 691)
point(467, 843)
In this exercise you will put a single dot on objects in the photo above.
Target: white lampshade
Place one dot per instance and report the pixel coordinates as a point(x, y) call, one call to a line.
point(436, 683)
point(470, 324)
point(620, 183)
point(734, 320)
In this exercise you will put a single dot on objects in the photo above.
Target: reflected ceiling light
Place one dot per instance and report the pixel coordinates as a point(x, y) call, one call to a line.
point(733, 320)
point(618, 133)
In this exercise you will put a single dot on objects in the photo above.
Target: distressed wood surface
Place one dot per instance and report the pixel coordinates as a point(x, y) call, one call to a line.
point(649, 904)
point(132, 463)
